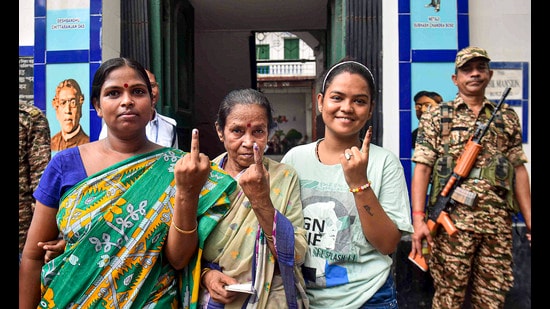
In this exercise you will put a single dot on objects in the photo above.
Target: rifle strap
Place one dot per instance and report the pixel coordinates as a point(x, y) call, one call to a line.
point(498, 122)
point(446, 123)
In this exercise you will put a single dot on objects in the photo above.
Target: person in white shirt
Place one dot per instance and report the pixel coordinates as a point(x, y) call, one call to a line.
point(161, 129)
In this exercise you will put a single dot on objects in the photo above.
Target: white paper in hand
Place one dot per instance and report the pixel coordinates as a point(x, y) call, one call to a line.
point(241, 287)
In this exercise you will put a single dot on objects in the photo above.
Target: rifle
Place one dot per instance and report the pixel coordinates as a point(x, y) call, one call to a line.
point(446, 202)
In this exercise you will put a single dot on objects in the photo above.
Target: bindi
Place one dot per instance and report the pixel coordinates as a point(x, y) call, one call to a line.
point(248, 125)
point(125, 85)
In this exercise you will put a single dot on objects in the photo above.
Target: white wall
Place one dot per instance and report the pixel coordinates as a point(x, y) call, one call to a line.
point(503, 28)
point(110, 37)
point(290, 103)
point(390, 76)
point(26, 22)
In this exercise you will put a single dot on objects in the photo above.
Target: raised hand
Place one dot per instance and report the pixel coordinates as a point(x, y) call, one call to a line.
point(255, 179)
point(192, 170)
point(190, 173)
point(355, 161)
point(366, 142)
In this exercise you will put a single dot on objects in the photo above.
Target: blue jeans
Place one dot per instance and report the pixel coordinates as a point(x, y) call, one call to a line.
point(384, 298)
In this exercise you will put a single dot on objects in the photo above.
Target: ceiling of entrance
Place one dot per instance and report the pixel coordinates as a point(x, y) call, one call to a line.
point(260, 15)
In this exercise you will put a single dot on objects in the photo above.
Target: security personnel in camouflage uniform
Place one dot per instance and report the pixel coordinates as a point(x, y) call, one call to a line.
point(481, 249)
point(34, 155)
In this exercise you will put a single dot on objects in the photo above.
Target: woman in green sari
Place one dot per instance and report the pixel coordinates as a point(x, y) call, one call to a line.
point(133, 214)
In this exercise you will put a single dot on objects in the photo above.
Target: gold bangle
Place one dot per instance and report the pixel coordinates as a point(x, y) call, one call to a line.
point(203, 272)
point(268, 237)
point(184, 231)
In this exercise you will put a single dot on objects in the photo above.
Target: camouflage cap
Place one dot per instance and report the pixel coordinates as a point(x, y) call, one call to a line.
point(469, 53)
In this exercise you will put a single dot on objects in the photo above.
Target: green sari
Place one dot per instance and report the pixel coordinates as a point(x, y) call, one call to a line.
point(115, 223)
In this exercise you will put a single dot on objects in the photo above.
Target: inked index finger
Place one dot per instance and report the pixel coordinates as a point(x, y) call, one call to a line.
point(195, 143)
point(366, 140)
point(257, 155)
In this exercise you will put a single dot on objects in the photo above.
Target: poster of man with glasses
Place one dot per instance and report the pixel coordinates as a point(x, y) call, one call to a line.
point(67, 103)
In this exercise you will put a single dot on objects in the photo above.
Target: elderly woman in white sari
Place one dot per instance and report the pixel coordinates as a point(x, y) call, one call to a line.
point(261, 240)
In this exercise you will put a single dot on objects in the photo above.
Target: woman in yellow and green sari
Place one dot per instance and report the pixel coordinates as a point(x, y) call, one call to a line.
point(133, 214)
point(261, 240)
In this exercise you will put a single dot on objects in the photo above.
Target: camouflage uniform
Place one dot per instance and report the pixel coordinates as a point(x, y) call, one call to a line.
point(483, 243)
point(34, 155)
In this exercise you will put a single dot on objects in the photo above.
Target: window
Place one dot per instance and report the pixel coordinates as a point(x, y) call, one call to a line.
point(292, 49)
point(262, 51)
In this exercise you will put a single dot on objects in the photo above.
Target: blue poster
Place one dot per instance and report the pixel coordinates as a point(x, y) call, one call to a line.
point(432, 76)
point(433, 24)
point(68, 25)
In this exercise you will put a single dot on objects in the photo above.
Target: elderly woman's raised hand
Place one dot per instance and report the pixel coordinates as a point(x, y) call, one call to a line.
point(255, 179)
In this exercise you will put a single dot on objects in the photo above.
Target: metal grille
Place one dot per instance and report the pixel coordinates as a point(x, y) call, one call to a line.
point(364, 44)
point(134, 31)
